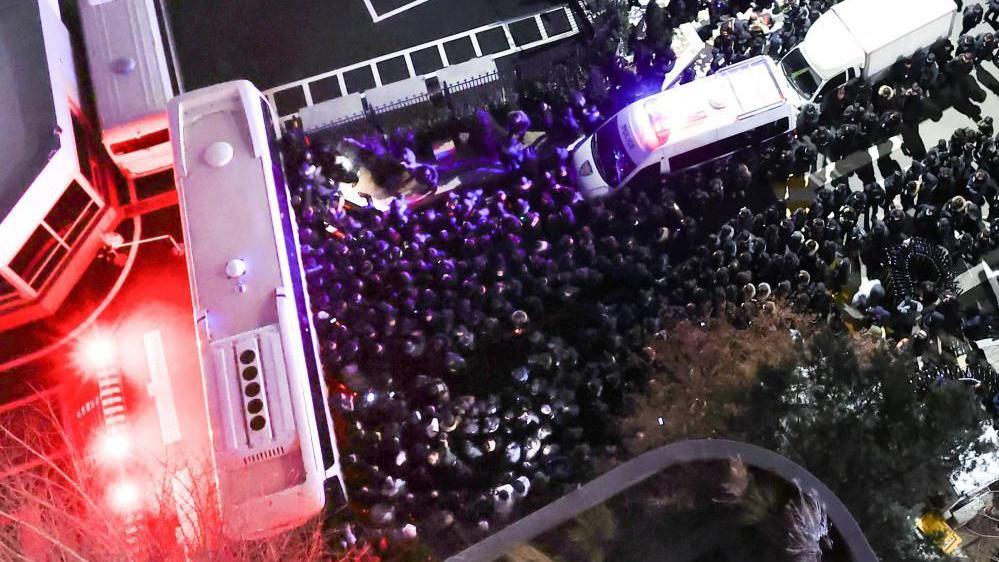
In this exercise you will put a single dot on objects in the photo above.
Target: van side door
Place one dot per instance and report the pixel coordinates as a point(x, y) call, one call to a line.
point(831, 84)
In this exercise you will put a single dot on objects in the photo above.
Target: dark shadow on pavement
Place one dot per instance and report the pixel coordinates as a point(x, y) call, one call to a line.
point(960, 93)
point(887, 165)
point(912, 143)
point(972, 89)
point(865, 173)
point(934, 105)
point(987, 79)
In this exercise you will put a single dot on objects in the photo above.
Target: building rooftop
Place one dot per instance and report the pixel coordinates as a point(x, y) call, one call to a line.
point(27, 109)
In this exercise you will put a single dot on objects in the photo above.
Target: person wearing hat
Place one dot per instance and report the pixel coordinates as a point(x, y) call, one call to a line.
point(985, 46)
point(929, 77)
point(716, 10)
point(987, 128)
point(961, 66)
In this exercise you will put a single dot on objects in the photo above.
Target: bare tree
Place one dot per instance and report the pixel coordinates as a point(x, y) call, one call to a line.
point(54, 506)
point(703, 373)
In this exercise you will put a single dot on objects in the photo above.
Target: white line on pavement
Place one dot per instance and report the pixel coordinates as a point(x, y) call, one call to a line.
point(376, 17)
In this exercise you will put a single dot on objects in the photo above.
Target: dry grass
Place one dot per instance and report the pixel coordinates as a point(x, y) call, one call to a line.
point(53, 507)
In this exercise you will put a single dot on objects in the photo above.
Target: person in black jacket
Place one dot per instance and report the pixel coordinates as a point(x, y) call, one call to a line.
point(992, 13)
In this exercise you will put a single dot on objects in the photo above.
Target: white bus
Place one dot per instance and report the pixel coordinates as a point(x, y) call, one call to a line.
point(272, 435)
point(133, 78)
point(735, 108)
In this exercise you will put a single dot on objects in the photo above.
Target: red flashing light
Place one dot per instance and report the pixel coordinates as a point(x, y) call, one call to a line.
point(660, 124)
point(124, 496)
point(95, 352)
point(112, 446)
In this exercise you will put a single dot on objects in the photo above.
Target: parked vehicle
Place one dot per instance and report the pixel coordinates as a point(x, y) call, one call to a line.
point(133, 78)
point(863, 38)
point(274, 446)
point(735, 108)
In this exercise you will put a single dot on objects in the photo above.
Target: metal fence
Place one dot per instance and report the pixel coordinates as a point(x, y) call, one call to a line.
point(455, 101)
point(405, 112)
point(356, 125)
point(465, 97)
point(302, 89)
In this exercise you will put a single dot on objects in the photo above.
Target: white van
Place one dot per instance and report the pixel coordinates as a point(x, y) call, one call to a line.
point(735, 108)
point(864, 38)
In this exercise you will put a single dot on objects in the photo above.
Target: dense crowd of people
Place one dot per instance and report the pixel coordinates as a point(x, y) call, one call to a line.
point(486, 341)
point(493, 339)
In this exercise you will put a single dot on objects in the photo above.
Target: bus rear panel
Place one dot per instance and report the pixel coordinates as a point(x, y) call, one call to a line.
point(272, 435)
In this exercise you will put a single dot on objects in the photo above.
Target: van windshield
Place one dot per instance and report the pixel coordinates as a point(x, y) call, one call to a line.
point(610, 155)
point(799, 74)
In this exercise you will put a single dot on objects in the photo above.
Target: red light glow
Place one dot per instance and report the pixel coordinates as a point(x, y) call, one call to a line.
point(95, 352)
point(124, 496)
point(112, 446)
point(660, 121)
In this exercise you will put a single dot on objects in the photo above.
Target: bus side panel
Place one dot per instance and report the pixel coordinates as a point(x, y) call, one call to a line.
point(318, 395)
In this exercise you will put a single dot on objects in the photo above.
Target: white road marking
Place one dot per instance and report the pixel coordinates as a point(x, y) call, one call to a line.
point(376, 17)
point(852, 162)
point(512, 48)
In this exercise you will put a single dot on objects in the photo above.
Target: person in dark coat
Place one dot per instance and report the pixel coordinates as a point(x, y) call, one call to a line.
point(885, 99)
point(834, 103)
point(985, 47)
point(913, 104)
point(992, 13)
point(971, 17)
point(929, 79)
point(961, 66)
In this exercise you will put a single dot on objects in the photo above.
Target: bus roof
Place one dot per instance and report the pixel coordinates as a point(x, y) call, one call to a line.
point(128, 64)
point(27, 105)
point(708, 104)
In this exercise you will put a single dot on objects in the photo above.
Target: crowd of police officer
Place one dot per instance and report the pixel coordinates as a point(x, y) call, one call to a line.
point(488, 342)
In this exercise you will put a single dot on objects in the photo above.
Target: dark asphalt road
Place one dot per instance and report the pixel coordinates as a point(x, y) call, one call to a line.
point(271, 42)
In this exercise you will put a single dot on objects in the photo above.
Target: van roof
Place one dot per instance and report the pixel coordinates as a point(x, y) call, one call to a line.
point(723, 98)
point(875, 23)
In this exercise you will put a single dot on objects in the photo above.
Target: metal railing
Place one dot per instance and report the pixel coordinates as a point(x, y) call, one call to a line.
point(456, 101)
point(356, 125)
point(465, 97)
point(304, 85)
point(404, 112)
